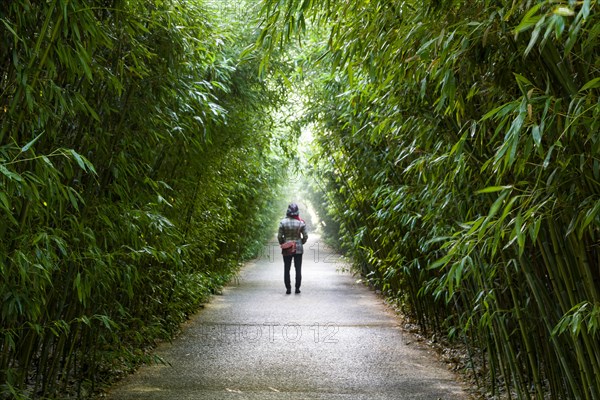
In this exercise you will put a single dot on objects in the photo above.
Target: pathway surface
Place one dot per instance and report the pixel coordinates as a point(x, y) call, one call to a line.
point(335, 340)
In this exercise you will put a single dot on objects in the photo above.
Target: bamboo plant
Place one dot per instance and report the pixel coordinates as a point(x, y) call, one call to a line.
point(457, 148)
point(134, 136)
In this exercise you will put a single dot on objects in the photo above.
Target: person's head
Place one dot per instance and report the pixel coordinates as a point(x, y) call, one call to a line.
point(292, 210)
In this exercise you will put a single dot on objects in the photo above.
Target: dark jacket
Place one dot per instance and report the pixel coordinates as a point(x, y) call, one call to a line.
point(292, 229)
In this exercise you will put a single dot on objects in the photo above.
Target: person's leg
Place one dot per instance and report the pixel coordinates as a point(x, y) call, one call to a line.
point(298, 267)
point(287, 265)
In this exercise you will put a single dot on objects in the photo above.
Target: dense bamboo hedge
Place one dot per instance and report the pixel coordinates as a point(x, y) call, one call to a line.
point(459, 150)
point(138, 163)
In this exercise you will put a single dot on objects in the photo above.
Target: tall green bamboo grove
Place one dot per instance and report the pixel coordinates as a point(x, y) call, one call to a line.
point(459, 149)
point(133, 139)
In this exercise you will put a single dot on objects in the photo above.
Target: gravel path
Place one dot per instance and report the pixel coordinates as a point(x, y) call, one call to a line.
point(335, 340)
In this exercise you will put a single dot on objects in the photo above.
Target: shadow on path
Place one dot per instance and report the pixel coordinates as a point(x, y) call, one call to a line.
point(335, 340)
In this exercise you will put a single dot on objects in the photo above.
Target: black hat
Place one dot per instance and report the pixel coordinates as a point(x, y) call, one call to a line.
point(292, 210)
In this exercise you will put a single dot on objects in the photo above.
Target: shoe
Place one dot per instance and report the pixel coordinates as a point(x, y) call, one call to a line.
point(288, 291)
point(297, 291)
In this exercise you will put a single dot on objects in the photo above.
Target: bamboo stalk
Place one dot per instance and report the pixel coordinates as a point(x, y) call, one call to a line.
point(526, 338)
point(542, 300)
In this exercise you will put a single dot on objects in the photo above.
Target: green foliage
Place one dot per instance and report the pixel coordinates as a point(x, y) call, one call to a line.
point(138, 166)
point(457, 148)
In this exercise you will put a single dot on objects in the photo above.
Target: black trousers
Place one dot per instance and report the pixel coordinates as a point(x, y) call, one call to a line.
point(287, 265)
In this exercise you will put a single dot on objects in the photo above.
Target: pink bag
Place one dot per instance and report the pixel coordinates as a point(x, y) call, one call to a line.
point(288, 248)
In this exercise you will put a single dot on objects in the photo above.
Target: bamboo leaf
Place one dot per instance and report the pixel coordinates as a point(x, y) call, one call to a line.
point(500, 111)
point(440, 263)
point(10, 175)
point(47, 161)
point(72, 198)
point(492, 189)
point(519, 233)
point(79, 159)
point(4, 201)
point(10, 28)
point(508, 208)
point(592, 84)
point(548, 157)
point(78, 286)
point(563, 11)
point(474, 226)
point(590, 216)
point(535, 35)
point(529, 19)
point(83, 162)
point(28, 145)
point(84, 60)
point(522, 80)
point(536, 135)
point(107, 322)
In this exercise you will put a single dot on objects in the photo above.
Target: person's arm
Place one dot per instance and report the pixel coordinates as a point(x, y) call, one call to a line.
point(281, 234)
point(304, 234)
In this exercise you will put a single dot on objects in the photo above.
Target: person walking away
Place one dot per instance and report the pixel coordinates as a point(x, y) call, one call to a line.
point(292, 229)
